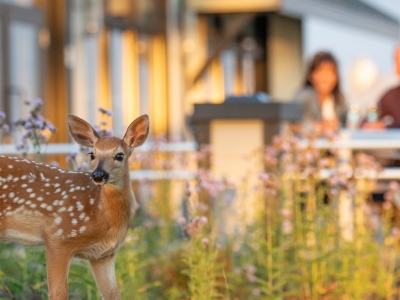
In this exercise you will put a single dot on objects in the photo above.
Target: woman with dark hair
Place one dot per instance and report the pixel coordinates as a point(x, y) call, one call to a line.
point(323, 102)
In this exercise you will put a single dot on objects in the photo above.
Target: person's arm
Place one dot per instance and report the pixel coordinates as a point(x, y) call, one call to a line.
point(384, 114)
point(382, 110)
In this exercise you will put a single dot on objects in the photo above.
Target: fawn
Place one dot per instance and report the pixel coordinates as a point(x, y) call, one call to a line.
point(74, 214)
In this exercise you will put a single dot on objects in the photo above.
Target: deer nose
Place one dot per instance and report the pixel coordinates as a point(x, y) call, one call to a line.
point(100, 175)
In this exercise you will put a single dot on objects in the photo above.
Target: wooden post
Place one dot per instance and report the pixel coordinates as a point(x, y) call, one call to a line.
point(56, 93)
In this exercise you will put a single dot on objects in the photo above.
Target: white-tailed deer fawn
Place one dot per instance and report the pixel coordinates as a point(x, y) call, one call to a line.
point(73, 213)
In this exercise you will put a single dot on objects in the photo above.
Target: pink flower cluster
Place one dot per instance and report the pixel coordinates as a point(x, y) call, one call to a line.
point(207, 181)
point(195, 226)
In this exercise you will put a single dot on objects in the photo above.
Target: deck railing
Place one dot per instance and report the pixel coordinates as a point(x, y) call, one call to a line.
point(350, 140)
point(67, 149)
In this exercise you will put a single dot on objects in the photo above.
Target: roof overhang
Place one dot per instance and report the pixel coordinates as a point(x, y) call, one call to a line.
point(351, 12)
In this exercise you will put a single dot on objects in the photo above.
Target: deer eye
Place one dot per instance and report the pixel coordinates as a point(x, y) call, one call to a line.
point(91, 155)
point(119, 157)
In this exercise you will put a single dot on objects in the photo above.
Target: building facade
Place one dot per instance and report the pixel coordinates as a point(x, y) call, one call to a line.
point(162, 56)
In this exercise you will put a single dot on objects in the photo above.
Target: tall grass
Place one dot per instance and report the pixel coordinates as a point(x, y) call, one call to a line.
point(295, 244)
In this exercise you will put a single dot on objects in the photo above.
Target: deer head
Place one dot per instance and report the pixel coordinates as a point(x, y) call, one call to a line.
point(110, 154)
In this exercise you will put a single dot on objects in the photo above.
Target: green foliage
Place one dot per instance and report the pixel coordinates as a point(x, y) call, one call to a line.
point(202, 269)
point(295, 245)
point(22, 273)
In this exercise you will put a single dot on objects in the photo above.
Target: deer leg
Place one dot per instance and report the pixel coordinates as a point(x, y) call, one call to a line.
point(104, 273)
point(57, 266)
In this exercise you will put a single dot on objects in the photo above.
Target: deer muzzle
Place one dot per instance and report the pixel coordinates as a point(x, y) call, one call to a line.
point(99, 176)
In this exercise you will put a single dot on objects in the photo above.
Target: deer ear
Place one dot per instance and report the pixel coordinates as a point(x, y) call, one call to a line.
point(82, 132)
point(137, 132)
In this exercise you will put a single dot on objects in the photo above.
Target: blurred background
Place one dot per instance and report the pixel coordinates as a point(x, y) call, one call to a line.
point(290, 208)
point(162, 56)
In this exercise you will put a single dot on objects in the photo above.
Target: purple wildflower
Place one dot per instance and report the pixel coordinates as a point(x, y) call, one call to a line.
point(55, 164)
point(51, 127)
point(39, 102)
point(28, 125)
point(6, 128)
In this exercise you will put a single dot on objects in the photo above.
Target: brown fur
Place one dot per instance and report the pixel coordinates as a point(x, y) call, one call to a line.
point(67, 212)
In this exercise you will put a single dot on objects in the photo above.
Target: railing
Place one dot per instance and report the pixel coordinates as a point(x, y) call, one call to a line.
point(67, 149)
point(372, 140)
point(350, 140)
point(362, 140)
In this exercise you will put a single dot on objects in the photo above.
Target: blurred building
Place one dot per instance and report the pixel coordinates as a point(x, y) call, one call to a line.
point(162, 56)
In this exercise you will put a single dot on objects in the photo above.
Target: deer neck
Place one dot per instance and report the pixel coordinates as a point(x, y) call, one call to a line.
point(118, 201)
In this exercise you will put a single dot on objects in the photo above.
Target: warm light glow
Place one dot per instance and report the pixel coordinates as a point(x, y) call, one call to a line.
point(216, 85)
point(120, 8)
point(130, 77)
point(188, 45)
point(104, 92)
point(158, 85)
point(364, 74)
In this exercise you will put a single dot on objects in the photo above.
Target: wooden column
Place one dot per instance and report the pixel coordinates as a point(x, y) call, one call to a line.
point(56, 92)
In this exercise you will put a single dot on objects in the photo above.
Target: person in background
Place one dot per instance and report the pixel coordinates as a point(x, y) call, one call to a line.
point(323, 103)
point(389, 104)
